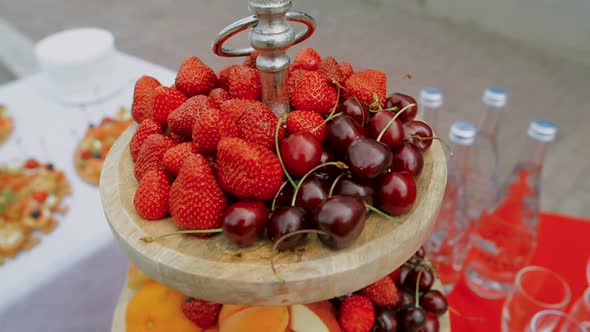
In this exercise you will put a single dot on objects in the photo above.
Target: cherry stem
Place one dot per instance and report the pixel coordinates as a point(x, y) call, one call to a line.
point(331, 115)
point(149, 239)
point(418, 288)
point(333, 186)
point(283, 238)
point(445, 144)
point(338, 164)
point(274, 199)
point(381, 213)
point(391, 109)
point(277, 130)
point(392, 120)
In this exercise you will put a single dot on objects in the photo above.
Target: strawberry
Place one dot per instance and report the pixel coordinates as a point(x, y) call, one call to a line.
point(195, 78)
point(356, 314)
point(382, 292)
point(151, 196)
point(365, 85)
point(306, 121)
point(175, 156)
point(331, 69)
point(182, 120)
point(143, 98)
point(151, 154)
point(314, 93)
point(177, 138)
point(224, 75)
point(210, 126)
point(166, 100)
point(346, 69)
point(201, 312)
point(257, 124)
point(236, 107)
point(248, 170)
point(196, 201)
point(295, 76)
point(212, 160)
point(146, 128)
point(217, 97)
point(244, 83)
point(250, 61)
point(308, 59)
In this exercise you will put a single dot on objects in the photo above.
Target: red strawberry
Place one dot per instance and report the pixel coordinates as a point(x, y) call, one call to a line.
point(356, 314)
point(166, 100)
point(306, 121)
point(236, 107)
point(151, 154)
point(210, 126)
point(151, 196)
point(244, 83)
point(308, 59)
point(195, 78)
point(217, 97)
point(196, 201)
point(331, 69)
point(176, 155)
point(212, 160)
point(295, 76)
point(224, 75)
point(143, 98)
point(365, 84)
point(176, 138)
point(182, 120)
point(201, 312)
point(258, 124)
point(248, 170)
point(250, 61)
point(314, 93)
point(382, 292)
point(144, 130)
point(346, 69)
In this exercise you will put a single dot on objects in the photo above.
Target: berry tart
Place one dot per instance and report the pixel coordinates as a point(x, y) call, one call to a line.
point(6, 124)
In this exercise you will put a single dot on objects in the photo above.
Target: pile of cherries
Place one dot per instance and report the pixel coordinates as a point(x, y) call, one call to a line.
point(368, 160)
point(414, 277)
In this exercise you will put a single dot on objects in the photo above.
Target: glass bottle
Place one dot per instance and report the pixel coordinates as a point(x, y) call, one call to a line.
point(430, 103)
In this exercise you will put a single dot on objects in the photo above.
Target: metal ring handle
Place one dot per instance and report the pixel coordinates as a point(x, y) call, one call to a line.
point(251, 21)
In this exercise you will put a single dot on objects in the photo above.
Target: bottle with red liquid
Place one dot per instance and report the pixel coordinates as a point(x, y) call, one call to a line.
point(504, 239)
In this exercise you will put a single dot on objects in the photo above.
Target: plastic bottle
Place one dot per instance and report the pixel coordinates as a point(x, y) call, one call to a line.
point(430, 103)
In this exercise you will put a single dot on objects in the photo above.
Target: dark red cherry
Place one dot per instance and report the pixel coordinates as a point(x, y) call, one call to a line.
point(368, 158)
point(284, 221)
point(399, 275)
point(244, 222)
point(426, 279)
point(408, 157)
point(300, 152)
point(327, 173)
point(396, 192)
point(434, 301)
point(284, 197)
point(418, 128)
point(355, 187)
point(411, 318)
point(400, 101)
point(311, 193)
point(385, 320)
point(421, 252)
point(406, 299)
point(352, 108)
point(432, 324)
point(343, 218)
point(342, 131)
point(394, 134)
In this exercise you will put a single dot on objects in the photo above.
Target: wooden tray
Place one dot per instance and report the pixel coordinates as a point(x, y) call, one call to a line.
point(119, 325)
point(216, 270)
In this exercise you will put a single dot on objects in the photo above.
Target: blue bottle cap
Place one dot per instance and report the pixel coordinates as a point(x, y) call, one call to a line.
point(431, 97)
point(543, 130)
point(462, 133)
point(495, 97)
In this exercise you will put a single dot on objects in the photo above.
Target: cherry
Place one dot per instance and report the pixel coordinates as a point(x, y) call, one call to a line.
point(354, 187)
point(406, 299)
point(284, 196)
point(393, 135)
point(418, 128)
point(408, 157)
point(421, 252)
point(342, 131)
point(311, 193)
point(368, 158)
point(400, 101)
point(396, 192)
point(411, 318)
point(284, 221)
point(435, 302)
point(300, 152)
point(342, 218)
point(426, 279)
point(400, 274)
point(385, 320)
point(432, 324)
point(327, 173)
point(244, 222)
point(355, 110)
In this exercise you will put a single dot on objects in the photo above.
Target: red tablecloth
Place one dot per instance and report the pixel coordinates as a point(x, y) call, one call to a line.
point(564, 247)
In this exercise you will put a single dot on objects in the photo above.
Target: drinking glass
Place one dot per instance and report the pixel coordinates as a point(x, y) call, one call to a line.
point(535, 289)
point(553, 321)
point(581, 310)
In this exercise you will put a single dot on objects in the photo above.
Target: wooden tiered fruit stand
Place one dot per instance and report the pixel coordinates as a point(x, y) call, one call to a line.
point(216, 270)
